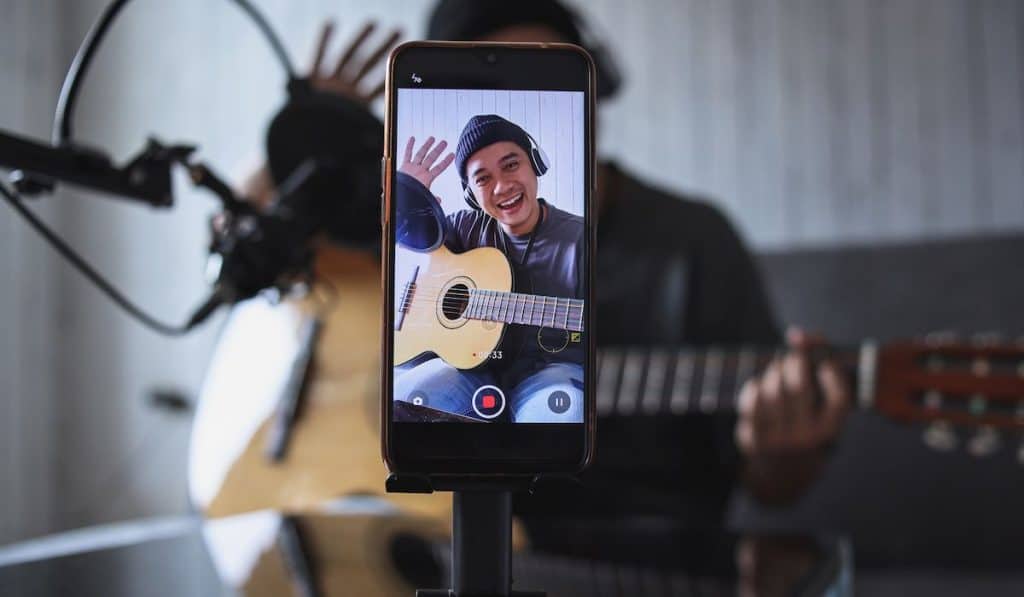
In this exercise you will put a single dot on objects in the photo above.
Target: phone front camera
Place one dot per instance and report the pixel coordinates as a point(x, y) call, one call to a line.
point(491, 58)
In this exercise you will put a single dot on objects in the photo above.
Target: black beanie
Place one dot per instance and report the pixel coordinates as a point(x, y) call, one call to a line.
point(470, 20)
point(483, 130)
point(467, 20)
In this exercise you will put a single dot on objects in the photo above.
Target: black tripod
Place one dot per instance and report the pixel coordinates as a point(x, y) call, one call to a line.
point(481, 536)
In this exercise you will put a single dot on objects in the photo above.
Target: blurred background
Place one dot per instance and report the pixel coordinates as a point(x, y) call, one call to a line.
point(817, 126)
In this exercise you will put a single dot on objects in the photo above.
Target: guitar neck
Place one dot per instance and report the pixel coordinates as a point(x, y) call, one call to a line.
point(526, 309)
point(667, 381)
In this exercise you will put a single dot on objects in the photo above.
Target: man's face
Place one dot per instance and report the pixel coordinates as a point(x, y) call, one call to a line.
point(505, 185)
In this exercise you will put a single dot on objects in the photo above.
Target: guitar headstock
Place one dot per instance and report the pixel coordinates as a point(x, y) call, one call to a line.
point(976, 384)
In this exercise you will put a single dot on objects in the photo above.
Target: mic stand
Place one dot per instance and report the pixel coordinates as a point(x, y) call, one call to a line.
point(39, 166)
point(481, 532)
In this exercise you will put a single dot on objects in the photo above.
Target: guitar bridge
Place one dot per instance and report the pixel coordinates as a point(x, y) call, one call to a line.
point(405, 301)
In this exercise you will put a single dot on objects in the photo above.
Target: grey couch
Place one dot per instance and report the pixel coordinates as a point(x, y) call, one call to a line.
point(902, 503)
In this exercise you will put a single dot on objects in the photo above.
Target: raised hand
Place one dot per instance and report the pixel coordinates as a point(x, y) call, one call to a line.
point(421, 166)
point(347, 76)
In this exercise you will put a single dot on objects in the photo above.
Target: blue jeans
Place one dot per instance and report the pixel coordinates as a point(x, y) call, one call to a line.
point(531, 400)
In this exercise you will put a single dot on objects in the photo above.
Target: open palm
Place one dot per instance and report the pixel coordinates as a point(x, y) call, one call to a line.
point(422, 166)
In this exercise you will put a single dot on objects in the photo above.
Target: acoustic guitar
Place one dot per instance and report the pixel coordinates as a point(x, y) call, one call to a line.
point(288, 416)
point(457, 306)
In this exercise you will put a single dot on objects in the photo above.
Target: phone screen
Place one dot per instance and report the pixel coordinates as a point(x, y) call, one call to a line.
point(490, 256)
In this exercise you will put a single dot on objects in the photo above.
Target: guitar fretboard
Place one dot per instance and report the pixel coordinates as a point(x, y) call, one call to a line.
point(526, 309)
point(669, 381)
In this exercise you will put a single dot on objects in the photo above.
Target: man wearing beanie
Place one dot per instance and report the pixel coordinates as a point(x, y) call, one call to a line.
point(544, 246)
point(670, 271)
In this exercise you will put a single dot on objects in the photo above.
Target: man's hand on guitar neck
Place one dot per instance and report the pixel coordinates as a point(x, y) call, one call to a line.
point(787, 417)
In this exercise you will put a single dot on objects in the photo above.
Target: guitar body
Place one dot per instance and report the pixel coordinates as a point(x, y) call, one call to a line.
point(433, 321)
point(334, 446)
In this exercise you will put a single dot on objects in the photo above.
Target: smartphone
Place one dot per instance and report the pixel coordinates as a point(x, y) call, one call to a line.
point(488, 246)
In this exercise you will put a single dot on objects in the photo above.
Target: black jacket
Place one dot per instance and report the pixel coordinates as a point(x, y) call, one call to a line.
point(671, 271)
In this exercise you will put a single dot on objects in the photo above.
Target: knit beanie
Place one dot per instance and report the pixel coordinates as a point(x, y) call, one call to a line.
point(483, 130)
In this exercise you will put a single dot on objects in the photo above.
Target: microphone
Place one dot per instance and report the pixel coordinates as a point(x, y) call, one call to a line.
point(323, 153)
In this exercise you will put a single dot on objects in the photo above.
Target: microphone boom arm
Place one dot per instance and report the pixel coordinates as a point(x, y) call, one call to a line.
point(146, 177)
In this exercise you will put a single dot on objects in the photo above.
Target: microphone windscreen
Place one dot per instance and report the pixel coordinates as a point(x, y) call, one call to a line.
point(346, 141)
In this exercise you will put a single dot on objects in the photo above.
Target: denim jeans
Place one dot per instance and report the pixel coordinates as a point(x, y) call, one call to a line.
point(534, 399)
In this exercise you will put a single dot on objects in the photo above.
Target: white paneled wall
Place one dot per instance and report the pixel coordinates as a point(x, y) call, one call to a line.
point(808, 121)
point(553, 118)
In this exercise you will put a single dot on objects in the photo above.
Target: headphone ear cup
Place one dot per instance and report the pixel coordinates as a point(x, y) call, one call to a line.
point(540, 160)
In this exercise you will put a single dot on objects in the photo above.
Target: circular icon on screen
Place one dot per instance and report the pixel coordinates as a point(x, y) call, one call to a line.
point(418, 397)
point(488, 401)
point(559, 402)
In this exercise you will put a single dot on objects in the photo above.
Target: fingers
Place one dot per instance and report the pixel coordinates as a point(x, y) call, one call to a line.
point(837, 400)
point(778, 411)
point(432, 156)
point(375, 92)
point(798, 388)
point(350, 51)
point(800, 339)
point(407, 158)
point(321, 48)
point(438, 169)
point(376, 56)
point(746, 435)
point(418, 158)
point(770, 415)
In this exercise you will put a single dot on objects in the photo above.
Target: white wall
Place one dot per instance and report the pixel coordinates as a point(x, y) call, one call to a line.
point(827, 122)
point(28, 285)
point(808, 121)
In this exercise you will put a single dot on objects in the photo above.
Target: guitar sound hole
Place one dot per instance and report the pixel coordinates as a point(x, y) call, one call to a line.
point(456, 299)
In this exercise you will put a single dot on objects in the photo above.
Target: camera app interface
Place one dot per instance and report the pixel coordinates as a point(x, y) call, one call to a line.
point(489, 271)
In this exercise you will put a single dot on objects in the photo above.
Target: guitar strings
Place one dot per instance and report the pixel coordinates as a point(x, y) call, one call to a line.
point(509, 305)
point(458, 294)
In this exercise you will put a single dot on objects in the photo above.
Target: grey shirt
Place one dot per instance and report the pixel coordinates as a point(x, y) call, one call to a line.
point(553, 266)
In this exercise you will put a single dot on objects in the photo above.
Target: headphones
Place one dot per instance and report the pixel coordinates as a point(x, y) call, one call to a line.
point(538, 160)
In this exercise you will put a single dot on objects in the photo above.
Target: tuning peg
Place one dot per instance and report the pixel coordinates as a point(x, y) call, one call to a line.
point(987, 338)
point(941, 437)
point(984, 442)
point(940, 337)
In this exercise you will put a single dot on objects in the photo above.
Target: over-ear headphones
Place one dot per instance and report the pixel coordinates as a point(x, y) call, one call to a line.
point(538, 161)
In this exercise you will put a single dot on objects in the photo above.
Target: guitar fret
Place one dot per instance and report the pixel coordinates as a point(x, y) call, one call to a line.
point(608, 363)
point(681, 383)
point(632, 372)
point(657, 368)
point(566, 325)
point(554, 309)
point(533, 303)
point(711, 381)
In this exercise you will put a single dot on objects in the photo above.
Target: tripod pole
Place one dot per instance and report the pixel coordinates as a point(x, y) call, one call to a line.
point(482, 543)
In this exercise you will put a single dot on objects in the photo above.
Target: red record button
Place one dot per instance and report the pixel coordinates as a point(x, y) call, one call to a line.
point(488, 401)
